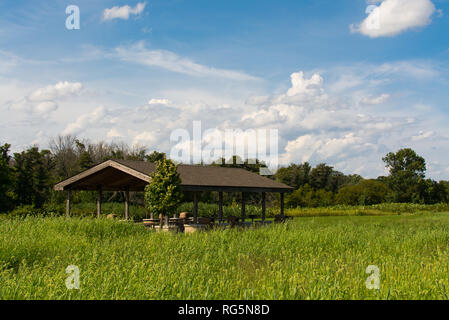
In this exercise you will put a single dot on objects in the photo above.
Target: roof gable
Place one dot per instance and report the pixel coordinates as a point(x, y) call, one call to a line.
point(119, 174)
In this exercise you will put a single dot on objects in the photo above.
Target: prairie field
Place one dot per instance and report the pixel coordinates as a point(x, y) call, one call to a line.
point(306, 258)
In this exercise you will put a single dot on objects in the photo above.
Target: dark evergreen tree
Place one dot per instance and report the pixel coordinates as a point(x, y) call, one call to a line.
point(6, 179)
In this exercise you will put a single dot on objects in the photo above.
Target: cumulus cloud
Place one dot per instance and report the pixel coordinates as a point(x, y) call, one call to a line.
point(85, 120)
point(393, 17)
point(44, 101)
point(302, 148)
point(318, 127)
point(123, 12)
point(322, 147)
point(312, 86)
point(57, 91)
point(303, 91)
point(145, 138)
point(314, 124)
point(46, 107)
point(171, 61)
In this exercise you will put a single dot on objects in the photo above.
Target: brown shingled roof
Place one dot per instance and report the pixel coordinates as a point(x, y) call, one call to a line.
point(119, 174)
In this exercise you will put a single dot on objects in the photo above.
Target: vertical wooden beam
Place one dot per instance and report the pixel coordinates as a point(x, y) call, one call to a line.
point(67, 204)
point(220, 205)
point(243, 207)
point(263, 206)
point(195, 207)
point(282, 204)
point(127, 203)
point(99, 195)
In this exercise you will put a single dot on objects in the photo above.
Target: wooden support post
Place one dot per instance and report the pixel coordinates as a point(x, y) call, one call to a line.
point(282, 205)
point(99, 195)
point(195, 208)
point(243, 207)
point(220, 205)
point(67, 204)
point(263, 206)
point(127, 203)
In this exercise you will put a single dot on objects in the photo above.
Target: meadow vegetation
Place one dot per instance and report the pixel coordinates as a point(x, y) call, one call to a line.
point(307, 258)
point(137, 212)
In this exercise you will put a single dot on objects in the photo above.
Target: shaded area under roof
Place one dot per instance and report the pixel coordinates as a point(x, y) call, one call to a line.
point(114, 175)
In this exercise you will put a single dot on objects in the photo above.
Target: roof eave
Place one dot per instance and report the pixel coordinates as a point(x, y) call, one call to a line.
point(65, 184)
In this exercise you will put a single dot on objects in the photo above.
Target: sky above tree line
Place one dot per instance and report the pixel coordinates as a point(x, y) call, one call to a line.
point(339, 89)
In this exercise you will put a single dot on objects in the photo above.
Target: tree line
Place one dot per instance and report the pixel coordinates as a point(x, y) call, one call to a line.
point(323, 186)
point(28, 177)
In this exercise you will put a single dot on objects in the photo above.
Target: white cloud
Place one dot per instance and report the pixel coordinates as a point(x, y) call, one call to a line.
point(172, 62)
point(323, 147)
point(59, 90)
point(257, 100)
point(392, 17)
point(46, 107)
point(123, 12)
point(44, 101)
point(314, 124)
point(422, 135)
point(159, 102)
point(312, 86)
point(304, 92)
point(302, 148)
point(145, 137)
point(347, 81)
point(341, 146)
point(85, 120)
point(375, 100)
point(417, 69)
point(113, 133)
point(273, 115)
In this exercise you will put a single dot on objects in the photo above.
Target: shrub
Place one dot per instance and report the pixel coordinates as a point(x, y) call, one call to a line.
point(163, 194)
point(306, 196)
point(367, 192)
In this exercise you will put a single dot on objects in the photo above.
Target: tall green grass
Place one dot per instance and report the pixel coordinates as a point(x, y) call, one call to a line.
point(308, 258)
point(136, 213)
point(372, 210)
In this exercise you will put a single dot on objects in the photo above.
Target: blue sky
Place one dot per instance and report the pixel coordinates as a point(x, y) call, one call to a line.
point(151, 67)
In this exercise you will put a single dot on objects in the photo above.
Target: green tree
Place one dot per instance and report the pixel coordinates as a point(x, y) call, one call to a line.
point(445, 186)
point(236, 161)
point(32, 174)
point(155, 156)
point(427, 191)
point(367, 192)
point(406, 170)
point(137, 155)
point(320, 175)
point(306, 196)
point(84, 159)
point(163, 194)
point(6, 179)
point(295, 175)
